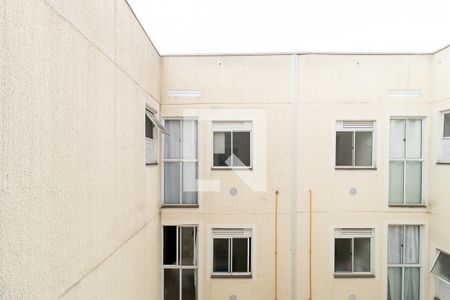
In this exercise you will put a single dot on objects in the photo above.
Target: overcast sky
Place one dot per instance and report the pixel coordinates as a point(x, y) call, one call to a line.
point(266, 26)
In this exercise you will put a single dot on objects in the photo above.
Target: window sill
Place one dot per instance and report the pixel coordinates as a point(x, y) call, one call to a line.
point(231, 168)
point(408, 205)
point(231, 276)
point(180, 206)
point(337, 275)
point(355, 168)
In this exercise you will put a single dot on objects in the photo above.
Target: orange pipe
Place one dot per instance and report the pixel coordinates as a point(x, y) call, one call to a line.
point(310, 245)
point(276, 244)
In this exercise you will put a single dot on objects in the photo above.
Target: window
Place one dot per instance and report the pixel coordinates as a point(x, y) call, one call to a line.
point(441, 266)
point(180, 262)
point(355, 144)
point(406, 161)
point(353, 251)
point(232, 144)
point(445, 156)
point(404, 264)
point(151, 135)
point(181, 162)
point(232, 252)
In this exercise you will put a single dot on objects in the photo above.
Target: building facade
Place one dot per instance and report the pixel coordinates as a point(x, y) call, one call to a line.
point(127, 175)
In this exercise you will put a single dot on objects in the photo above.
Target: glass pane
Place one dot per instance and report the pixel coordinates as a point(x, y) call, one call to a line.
point(412, 245)
point(362, 254)
point(241, 149)
point(397, 140)
point(171, 284)
point(190, 143)
point(170, 245)
point(414, 139)
point(148, 128)
point(363, 148)
point(187, 243)
point(394, 283)
point(220, 255)
point(344, 148)
point(396, 179)
point(250, 255)
point(172, 182)
point(342, 255)
point(412, 284)
point(239, 255)
point(413, 182)
point(189, 283)
point(190, 176)
point(172, 141)
point(447, 125)
point(442, 266)
point(395, 244)
point(222, 149)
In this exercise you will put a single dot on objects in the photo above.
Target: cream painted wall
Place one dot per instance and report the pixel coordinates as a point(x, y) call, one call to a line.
point(79, 214)
point(237, 88)
point(440, 187)
point(330, 88)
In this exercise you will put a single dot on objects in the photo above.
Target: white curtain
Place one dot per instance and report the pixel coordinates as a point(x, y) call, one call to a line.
point(172, 139)
point(190, 183)
point(395, 241)
point(412, 245)
point(413, 182)
point(412, 284)
point(395, 284)
point(446, 150)
point(172, 182)
point(397, 144)
point(396, 180)
point(189, 139)
point(414, 138)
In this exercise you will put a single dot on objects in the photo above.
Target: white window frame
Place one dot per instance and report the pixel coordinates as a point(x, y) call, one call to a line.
point(341, 126)
point(352, 234)
point(230, 234)
point(405, 159)
point(177, 265)
point(232, 126)
point(151, 142)
point(442, 138)
point(180, 160)
point(403, 266)
point(434, 262)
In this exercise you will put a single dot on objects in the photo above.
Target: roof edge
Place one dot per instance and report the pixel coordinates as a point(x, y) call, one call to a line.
point(143, 29)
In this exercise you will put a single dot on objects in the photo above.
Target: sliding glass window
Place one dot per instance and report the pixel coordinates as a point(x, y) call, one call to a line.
point(181, 162)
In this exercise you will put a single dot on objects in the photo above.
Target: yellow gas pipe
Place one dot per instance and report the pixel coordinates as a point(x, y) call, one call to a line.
point(310, 245)
point(276, 244)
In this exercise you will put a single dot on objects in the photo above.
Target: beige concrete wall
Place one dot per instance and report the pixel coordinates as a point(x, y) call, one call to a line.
point(330, 88)
point(440, 173)
point(344, 87)
point(237, 88)
point(80, 211)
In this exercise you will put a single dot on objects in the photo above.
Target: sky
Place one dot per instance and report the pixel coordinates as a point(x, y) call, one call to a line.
point(295, 26)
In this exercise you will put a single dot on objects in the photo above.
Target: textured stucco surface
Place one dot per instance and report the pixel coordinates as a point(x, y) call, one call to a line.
point(79, 218)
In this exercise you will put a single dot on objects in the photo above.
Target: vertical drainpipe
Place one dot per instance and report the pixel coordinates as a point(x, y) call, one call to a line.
point(294, 100)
